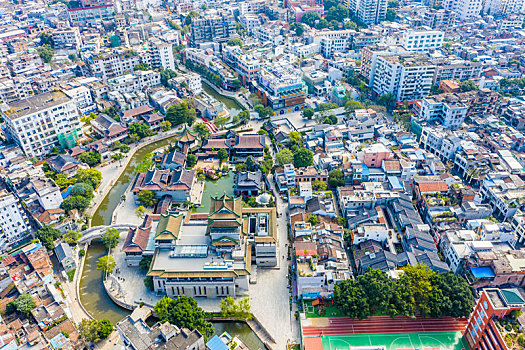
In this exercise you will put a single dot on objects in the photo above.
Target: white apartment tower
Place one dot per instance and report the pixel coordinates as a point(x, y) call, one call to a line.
point(503, 7)
point(407, 77)
point(41, 122)
point(423, 40)
point(162, 55)
point(13, 221)
point(465, 9)
point(369, 11)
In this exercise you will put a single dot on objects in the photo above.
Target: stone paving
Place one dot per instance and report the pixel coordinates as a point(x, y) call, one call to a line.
point(131, 279)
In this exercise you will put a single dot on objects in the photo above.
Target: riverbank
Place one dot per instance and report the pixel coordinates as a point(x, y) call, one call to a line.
point(224, 96)
point(106, 201)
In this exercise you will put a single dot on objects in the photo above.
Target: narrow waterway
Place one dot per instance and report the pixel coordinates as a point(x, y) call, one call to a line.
point(105, 210)
point(217, 188)
point(240, 329)
point(231, 104)
point(92, 293)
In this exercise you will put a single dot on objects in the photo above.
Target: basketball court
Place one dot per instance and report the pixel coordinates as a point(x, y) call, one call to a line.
point(396, 341)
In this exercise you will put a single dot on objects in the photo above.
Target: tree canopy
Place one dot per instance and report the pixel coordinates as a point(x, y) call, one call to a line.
point(147, 198)
point(110, 238)
point(47, 235)
point(303, 157)
point(336, 178)
point(23, 304)
point(419, 291)
point(106, 264)
point(94, 331)
point(180, 113)
point(46, 53)
point(184, 312)
point(283, 157)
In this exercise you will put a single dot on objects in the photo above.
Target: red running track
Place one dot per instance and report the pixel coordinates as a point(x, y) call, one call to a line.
point(385, 324)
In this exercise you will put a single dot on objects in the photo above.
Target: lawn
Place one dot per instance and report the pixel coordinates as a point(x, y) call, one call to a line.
point(313, 311)
point(71, 275)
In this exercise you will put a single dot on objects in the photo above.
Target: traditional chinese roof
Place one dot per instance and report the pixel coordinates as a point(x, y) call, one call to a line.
point(225, 208)
point(168, 227)
point(185, 135)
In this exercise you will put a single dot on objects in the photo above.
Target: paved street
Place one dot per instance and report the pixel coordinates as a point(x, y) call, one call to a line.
point(270, 297)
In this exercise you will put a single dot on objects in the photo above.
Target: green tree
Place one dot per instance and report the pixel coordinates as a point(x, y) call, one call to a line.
point(468, 85)
point(391, 15)
point(458, 300)
point(105, 328)
point(142, 66)
point(180, 113)
point(351, 106)
point(82, 189)
point(221, 121)
point(387, 100)
point(303, 157)
point(234, 42)
point(308, 113)
point(295, 139)
point(222, 154)
point(46, 53)
point(310, 18)
point(313, 219)
point(350, 298)
point(142, 130)
point(79, 203)
point(165, 125)
point(110, 238)
point(89, 176)
point(283, 157)
point(336, 178)
point(229, 308)
point(147, 198)
point(418, 281)
point(46, 39)
point(337, 13)
point(191, 160)
point(378, 287)
point(62, 181)
point(145, 263)
point(140, 211)
point(47, 235)
point(165, 76)
point(72, 237)
point(185, 313)
point(90, 158)
point(117, 156)
point(148, 282)
point(202, 130)
point(261, 110)
point(106, 264)
point(318, 185)
point(24, 304)
point(298, 28)
point(190, 16)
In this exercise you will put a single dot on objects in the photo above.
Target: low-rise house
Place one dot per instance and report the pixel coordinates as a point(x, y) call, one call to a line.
point(174, 160)
point(65, 256)
point(248, 183)
point(109, 128)
point(64, 164)
point(176, 184)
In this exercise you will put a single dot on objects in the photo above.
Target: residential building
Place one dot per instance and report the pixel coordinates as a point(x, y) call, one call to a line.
point(281, 88)
point(407, 77)
point(90, 10)
point(446, 109)
point(161, 54)
point(369, 11)
point(439, 19)
point(422, 40)
point(503, 7)
point(65, 256)
point(67, 38)
point(13, 221)
point(41, 122)
point(212, 25)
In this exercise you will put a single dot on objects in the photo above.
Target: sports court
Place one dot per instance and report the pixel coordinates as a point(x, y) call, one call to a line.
point(396, 341)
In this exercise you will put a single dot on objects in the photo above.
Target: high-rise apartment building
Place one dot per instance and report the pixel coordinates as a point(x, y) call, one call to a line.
point(465, 9)
point(212, 26)
point(422, 40)
point(369, 11)
point(41, 122)
point(503, 7)
point(407, 77)
point(14, 224)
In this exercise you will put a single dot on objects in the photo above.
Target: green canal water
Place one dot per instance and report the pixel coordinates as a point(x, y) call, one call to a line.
point(232, 105)
point(104, 212)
